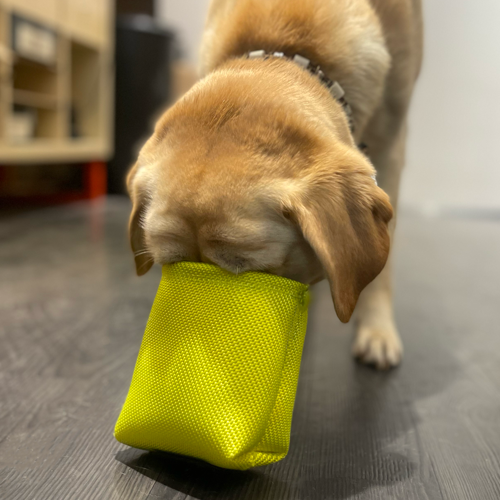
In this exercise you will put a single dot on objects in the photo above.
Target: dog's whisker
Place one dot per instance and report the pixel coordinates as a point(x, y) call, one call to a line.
point(147, 262)
point(141, 252)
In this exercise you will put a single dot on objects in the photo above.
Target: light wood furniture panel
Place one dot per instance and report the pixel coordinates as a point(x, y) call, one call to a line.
point(5, 66)
point(71, 97)
point(89, 20)
point(41, 11)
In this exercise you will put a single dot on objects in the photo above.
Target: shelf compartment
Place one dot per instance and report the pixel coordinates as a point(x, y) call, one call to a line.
point(29, 123)
point(34, 77)
point(69, 95)
point(47, 124)
point(34, 99)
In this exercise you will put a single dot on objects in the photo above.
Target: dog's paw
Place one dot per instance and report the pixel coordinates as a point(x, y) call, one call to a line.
point(378, 346)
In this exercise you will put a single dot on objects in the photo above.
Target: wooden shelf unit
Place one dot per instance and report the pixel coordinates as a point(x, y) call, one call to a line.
point(72, 97)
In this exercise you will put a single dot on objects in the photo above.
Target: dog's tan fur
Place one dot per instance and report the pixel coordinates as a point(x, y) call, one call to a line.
point(255, 167)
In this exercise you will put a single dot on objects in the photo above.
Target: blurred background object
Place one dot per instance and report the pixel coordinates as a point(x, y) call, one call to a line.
point(146, 7)
point(56, 97)
point(56, 92)
point(144, 54)
point(68, 128)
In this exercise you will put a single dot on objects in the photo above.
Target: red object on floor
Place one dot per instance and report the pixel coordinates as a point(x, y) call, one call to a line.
point(95, 179)
point(94, 185)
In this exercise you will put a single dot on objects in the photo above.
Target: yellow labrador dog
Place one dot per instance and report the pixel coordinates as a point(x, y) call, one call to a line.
point(258, 166)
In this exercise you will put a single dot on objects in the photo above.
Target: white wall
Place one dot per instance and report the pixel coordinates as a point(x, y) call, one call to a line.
point(454, 145)
point(187, 17)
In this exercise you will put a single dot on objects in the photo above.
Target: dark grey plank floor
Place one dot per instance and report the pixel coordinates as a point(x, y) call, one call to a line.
point(72, 316)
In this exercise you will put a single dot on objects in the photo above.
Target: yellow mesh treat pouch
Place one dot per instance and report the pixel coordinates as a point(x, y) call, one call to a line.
point(218, 367)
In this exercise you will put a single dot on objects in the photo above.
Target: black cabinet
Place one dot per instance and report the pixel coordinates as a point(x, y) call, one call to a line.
point(144, 54)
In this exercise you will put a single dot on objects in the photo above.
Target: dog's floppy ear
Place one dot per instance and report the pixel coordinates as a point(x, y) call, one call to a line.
point(143, 259)
point(344, 216)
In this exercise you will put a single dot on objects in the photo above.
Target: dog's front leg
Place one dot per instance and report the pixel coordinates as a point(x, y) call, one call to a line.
point(377, 340)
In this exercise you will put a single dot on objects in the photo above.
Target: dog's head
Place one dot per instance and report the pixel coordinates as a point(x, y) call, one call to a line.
point(233, 181)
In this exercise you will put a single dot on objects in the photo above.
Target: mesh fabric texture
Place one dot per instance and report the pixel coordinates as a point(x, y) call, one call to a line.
point(218, 367)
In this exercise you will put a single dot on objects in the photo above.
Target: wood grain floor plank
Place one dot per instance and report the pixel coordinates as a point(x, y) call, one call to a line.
point(72, 317)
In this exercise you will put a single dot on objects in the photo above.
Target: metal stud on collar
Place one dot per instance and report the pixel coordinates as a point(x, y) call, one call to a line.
point(334, 87)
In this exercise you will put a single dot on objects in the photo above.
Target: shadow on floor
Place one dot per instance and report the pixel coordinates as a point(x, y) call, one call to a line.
point(201, 480)
point(355, 430)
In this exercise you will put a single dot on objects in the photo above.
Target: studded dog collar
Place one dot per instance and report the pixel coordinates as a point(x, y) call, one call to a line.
point(334, 87)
